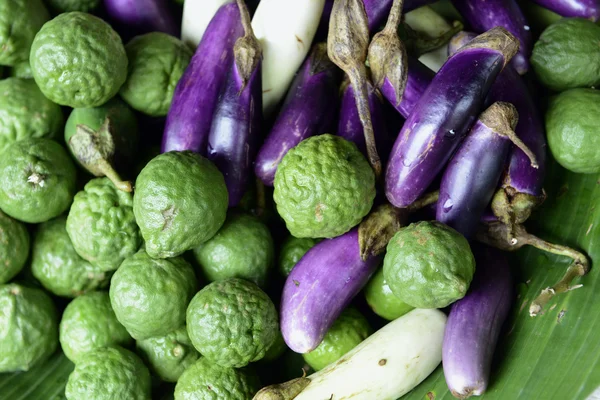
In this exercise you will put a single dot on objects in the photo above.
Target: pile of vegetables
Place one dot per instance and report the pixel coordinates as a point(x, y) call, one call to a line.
point(458, 152)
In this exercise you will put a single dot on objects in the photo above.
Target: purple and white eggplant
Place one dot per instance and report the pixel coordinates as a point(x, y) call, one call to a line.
point(483, 15)
point(143, 16)
point(444, 113)
point(197, 92)
point(319, 287)
point(234, 134)
point(310, 108)
point(196, 17)
point(588, 9)
point(475, 323)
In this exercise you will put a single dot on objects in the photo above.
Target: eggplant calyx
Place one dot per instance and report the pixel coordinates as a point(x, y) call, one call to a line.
point(247, 50)
point(320, 60)
point(513, 207)
point(95, 151)
point(425, 30)
point(498, 39)
point(283, 391)
point(496, 234)
point(375, 231)
point(387, 54)
point(347, 45)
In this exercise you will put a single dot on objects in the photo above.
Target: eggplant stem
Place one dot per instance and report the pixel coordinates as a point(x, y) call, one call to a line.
point(394, 17)
point(424, 201)
point(283, 391)
point(245, 17)
point(111, 174)
point(512, 136)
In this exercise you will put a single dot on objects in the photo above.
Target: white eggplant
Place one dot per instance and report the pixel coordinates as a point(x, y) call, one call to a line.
point(196, 16)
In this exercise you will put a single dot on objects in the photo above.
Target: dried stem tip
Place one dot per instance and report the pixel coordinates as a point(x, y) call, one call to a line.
point(247, 50)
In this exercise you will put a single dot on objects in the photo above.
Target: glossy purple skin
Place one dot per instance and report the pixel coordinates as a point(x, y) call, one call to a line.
point(419, 77)
point(470, 179)
point(511, 88)
point(438, 122)
point(350, 127)
point(143, 15)
point(319, 287)
point(310, 108)
point(483, 15)
point(475, 323)
point(589, 9)
point(197, 92)
point(378, 10)
point(235, 132)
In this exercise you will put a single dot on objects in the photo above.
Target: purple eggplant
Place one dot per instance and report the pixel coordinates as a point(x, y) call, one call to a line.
point(143, 16)
point(234, 134)
point(197, 92)
point(473, 173)
point(521, 188)
point(444, 113)
point(378, 10)
point(350, 127)
point(475, 323)
point(487, 14)
point(319, 287)
point(589, 9)
point(310, 108)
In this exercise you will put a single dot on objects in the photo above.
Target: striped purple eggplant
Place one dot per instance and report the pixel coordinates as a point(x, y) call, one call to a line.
point(141, 16)
point(310, 108)
point(475, 323)
point(197, 92)
point(444, 114)
point(588, 9)
point(235, 131)
point(378, 10)
point(483, 15)
point(319, 287)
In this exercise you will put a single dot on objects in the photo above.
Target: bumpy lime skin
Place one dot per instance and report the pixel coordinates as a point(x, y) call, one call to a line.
point(26, 113)
point(348, 330)
point(572, 122)
point(232, 322)
point(291, 252)
point(14, 247)
point(156, 63)
point(78, 60)
point(102, 226)
point(73, 5)
point(168, 355)
point(428, 265)
point(37, 180)
point(566, 55)
point(29, 327)
point(150, 296)
point(58, 267)
point(109, 373)
point(89, 323)
point(382, 300)
point(21, 70)
point(323, 187)
point(205, 380)
point(243, 248)
point(180, 202)
point(20, 20)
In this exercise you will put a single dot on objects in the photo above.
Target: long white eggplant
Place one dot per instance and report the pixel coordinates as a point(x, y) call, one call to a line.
point(385, 366)
point(285, 29)
point(196, 17)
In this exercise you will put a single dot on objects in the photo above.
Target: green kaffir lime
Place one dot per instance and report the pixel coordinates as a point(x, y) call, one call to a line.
point(180, 202)
point(168, 355)
point(89, 323)
point(73, 5)
point(348, 330)
point(572, 122)
point(243, 248)
point(428, 265)
point(102, 226)
point(323, 187)
point(78, 60)
point(382, 300)
point(150, 296)
point(156, 62)
point(566, 55)
point(291, 252)
point(22, 70)
point(276, 350)
point(14, 247)
point(58, 267)
point(28, 327)
point(206, 380)
point(26, 113)
point(109, 373)
point(19, 22)
point(232, 322)
point(37, 180)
